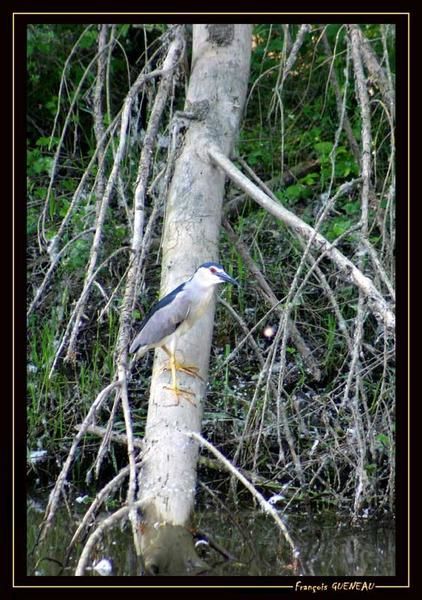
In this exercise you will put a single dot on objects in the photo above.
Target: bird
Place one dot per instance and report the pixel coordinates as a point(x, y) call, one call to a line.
point(173, 315)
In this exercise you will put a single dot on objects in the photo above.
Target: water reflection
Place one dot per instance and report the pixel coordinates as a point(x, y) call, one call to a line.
point(243, 544)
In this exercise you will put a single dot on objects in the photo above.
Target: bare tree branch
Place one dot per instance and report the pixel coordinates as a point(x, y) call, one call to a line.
point(378, 305)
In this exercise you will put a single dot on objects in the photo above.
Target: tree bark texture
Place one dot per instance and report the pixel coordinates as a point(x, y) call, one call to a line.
point(215, 100)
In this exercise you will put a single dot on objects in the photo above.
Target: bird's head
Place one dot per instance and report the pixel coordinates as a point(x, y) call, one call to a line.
point(211, 273)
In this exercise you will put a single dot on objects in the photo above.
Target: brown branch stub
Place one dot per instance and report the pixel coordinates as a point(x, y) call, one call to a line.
point(220, 35)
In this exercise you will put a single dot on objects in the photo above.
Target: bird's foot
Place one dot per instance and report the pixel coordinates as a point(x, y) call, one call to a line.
point(188, 369)
point(180, 392)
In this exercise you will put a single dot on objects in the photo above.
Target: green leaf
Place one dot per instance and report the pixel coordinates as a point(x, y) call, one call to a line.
point(337, 227)
point(309, 179)
point(352, 208)
point(89, 39)
point(383, 440)
point(124, 30)
point(295, 191)
point(323, 148)
point(42, 141)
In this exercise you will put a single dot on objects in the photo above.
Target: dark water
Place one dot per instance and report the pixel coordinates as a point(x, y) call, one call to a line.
point(328, 546)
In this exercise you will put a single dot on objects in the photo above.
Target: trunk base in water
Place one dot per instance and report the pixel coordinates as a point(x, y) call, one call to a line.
point(169, 550)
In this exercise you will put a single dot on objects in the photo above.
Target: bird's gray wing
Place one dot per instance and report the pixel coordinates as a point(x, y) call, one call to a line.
point(163, 322)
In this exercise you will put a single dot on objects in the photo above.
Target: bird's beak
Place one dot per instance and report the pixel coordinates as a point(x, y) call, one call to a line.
point(227, 278)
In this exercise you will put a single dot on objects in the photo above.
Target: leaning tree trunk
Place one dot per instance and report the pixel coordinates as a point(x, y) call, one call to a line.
point(167, 481)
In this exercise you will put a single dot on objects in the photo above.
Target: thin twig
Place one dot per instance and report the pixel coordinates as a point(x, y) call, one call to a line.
point(336, 87)
point(99, 129)
point(99, 225)
point(266, 506)
point(378, 305)
point(41, 225)
point(105, 524)
point(75, 310)
point(40, 290)
point(271, 298)
point(98, 501)
point(171, 61)
point(61, 480)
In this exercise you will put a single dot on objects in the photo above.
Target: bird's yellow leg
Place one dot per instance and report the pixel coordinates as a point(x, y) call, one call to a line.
point(174, 387)
point(188, 369)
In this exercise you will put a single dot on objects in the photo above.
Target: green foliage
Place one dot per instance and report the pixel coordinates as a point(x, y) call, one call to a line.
point(344, 162)
point(293, 193)
point(290, 138)
point(76, 259)
point(383, 440)
point(38, 163)
point(259, 150)
point(89, 39)
point(337, 227)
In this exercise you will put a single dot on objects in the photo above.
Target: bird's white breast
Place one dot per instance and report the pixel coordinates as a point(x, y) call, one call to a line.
point(200, 301)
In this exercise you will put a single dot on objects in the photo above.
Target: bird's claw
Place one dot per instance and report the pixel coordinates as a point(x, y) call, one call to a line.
point(188, 369)
point(179, 392)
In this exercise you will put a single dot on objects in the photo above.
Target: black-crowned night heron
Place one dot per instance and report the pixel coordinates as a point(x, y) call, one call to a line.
point(175, 314)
